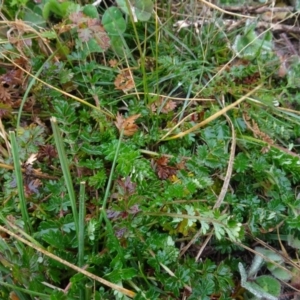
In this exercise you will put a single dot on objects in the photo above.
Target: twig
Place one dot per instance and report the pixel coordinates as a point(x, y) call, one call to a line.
point(173, 98)
point(229, 167)
point(209, 119)
point(289, 44)
point(213, 6)
point(232, 24)
point(258, 9)
point(278, 27)
point(221, 195)
point(35, 173)
point(225, 183)
point(188, 288)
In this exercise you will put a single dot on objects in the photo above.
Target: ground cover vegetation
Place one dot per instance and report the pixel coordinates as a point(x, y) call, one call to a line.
point(149, 150)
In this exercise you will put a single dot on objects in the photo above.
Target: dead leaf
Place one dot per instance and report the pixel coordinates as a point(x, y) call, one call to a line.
point(78, 18)
point(5, 94)
point(90, 28)
point(113, 63)
point(12, 77)
point(32, 158)
point(124, 81)
point(127, 125)
point(32, 187)
point(163, 170)
point(163, 105)
point(85, 34)
point(102, 38)
point(126, 187)
point(13, 296)
point(62, 28)
point(162, 161)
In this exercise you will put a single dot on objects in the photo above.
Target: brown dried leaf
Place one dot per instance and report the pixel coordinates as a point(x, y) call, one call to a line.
point(162, 173)
point(127, 186)
point(153, 107)
point(124, 81)
point(102, 38)
point(23, 62)
point(47, 152)
point(22, 27)
point(31, 159)
point(127, 125)
point(181, 165)
point(62, 27)
point(85, 34)
point(167, 106)
point(5, 94)
point(89, 28)
point(162, 161)
point(14, 76)
point(32, 187)
point(78, 17)
point(163, 170)
point(13, 296)
point(113, 63)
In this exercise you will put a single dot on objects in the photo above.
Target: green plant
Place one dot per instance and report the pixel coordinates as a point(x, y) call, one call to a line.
point(145, 161)
point(265, 286)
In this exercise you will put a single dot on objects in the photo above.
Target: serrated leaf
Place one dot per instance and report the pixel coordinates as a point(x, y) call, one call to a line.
point(56, 239)
point(234, 232)
point(219, 230)
point(92, 163)
point(47, 226)
point(92, 230)
point(123, 274)
point(127, 125)
point(241, 162)
point(204, 227)
point(68, 227)
point(98, 179)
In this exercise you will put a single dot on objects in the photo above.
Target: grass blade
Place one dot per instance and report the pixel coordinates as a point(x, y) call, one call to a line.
point(81, 224)
point(20, 184)
point(66, 172)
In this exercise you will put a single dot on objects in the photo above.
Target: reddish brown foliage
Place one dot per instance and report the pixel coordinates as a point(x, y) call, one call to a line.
point(124, 81)
point(127, 125)
point(163, 170)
